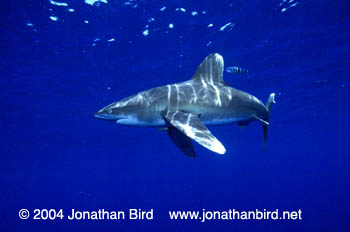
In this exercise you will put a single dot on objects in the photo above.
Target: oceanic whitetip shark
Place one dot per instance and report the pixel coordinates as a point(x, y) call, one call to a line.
point(184, 109)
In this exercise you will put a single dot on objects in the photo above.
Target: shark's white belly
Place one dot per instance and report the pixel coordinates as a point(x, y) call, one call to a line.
point(159, 121)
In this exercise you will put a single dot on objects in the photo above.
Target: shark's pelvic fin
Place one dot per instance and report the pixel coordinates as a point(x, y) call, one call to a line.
point(183, 142)
point(191, 126)
point(211, 69)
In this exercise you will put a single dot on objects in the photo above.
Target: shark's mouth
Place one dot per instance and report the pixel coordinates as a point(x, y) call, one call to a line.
point(107, 116)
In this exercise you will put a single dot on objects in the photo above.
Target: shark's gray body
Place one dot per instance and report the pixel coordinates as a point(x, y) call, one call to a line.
point(185, 108)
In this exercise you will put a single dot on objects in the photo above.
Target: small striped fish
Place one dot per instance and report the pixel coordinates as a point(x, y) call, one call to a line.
point(236, 70)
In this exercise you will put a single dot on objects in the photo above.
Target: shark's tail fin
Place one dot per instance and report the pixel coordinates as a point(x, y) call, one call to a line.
point(269, 103)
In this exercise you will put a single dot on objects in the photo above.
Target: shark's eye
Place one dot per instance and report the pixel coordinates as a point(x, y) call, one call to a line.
point(110, 111)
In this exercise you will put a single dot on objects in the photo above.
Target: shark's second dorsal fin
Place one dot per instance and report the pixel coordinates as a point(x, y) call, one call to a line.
point(211, 69)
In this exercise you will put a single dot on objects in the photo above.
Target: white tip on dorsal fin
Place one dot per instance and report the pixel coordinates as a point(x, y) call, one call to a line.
point(211, 69)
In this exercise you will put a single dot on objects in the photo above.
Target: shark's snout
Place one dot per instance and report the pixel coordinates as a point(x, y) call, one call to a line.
point(105, 113)
point(99, 115)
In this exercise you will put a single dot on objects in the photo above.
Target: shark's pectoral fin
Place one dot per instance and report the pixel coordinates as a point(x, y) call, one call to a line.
point(191, 126)
point(183, 142)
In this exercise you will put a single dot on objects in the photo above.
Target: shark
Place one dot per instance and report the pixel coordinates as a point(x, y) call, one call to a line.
point(185, 109)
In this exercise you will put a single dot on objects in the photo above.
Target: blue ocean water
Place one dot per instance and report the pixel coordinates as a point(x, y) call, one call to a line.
point(62, 62)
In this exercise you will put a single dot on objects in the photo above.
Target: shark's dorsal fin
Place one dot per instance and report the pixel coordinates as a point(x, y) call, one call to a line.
point(211, 69)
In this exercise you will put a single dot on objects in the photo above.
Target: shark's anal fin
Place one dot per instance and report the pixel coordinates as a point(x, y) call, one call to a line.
point(183, 142)
point(243, 124)
point(192, 127)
